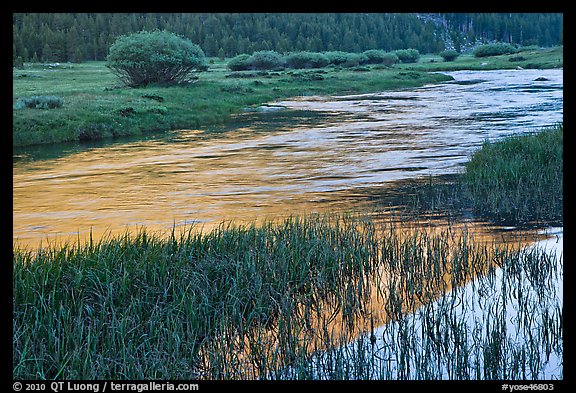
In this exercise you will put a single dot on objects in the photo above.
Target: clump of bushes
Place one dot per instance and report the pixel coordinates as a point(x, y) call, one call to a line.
point(408, 55)
point(39, 102)
point(266, 60)
point(261, 60)
point(355, 59)
point(270, 60)
point(449, 55)
point(337, 57)
point(158, 57)
point(389, 59)
point(495, 49)
point(374, 56)
point(239, 63)
point(306, 59)
point(307, 76)
point(379, 56)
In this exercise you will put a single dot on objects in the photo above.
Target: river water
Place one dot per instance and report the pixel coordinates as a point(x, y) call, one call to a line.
point(303, 155)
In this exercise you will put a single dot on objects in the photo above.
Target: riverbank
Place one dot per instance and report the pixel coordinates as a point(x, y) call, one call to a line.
point(515, 181)
point(94, 107)
point(526, 58)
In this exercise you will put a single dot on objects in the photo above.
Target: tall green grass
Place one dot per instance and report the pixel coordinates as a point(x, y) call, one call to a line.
point(239, 302)
point(518, 179)
point(148, 307)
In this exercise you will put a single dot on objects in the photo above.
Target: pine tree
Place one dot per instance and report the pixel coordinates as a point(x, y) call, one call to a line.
point(47, 54)
point(73, 44)
point(78, 56)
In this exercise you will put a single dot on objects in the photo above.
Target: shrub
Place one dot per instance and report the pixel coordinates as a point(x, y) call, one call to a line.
point(239, 63)
point(160, 57)
point(378, 56)
point(307, 76)
point(390, 58)
point(337, 57)
point(407, 55)
point(266, 60)
point(306, 60)
point(18, 62)
point(449, 55)
point(498, 48)
point(39, 102)
point(374, 56)
point(355, 59)
point(517, 58)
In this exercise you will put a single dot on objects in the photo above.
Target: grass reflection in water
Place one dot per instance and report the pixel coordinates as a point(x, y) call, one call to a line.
point(286, 300)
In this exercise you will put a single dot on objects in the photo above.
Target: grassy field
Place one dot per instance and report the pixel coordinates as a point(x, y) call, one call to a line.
point(526, 58)
point(95, 107)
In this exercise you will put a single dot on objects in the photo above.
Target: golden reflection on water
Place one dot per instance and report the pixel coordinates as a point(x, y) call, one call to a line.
point(156, 185)
point(484, 239)
point(248, 177)
point(367, 302)
point(159, 185)
point(273, 165)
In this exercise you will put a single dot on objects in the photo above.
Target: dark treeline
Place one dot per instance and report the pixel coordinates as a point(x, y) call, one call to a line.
point(78, 37)
point(525, 29)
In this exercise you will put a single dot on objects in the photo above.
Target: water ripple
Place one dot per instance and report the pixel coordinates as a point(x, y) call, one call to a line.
point(271, 163)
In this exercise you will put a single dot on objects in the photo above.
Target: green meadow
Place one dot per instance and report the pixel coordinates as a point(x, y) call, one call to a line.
point(95, 106)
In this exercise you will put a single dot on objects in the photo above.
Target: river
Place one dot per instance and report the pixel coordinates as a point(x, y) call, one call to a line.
point(303, 155)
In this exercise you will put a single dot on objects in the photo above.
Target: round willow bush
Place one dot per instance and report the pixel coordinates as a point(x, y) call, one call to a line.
point(306, 59)
point(408, 55)
point(239, 63)
point(266, 60)
point(449, 55)
point(494, 49)
point(159, 57)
